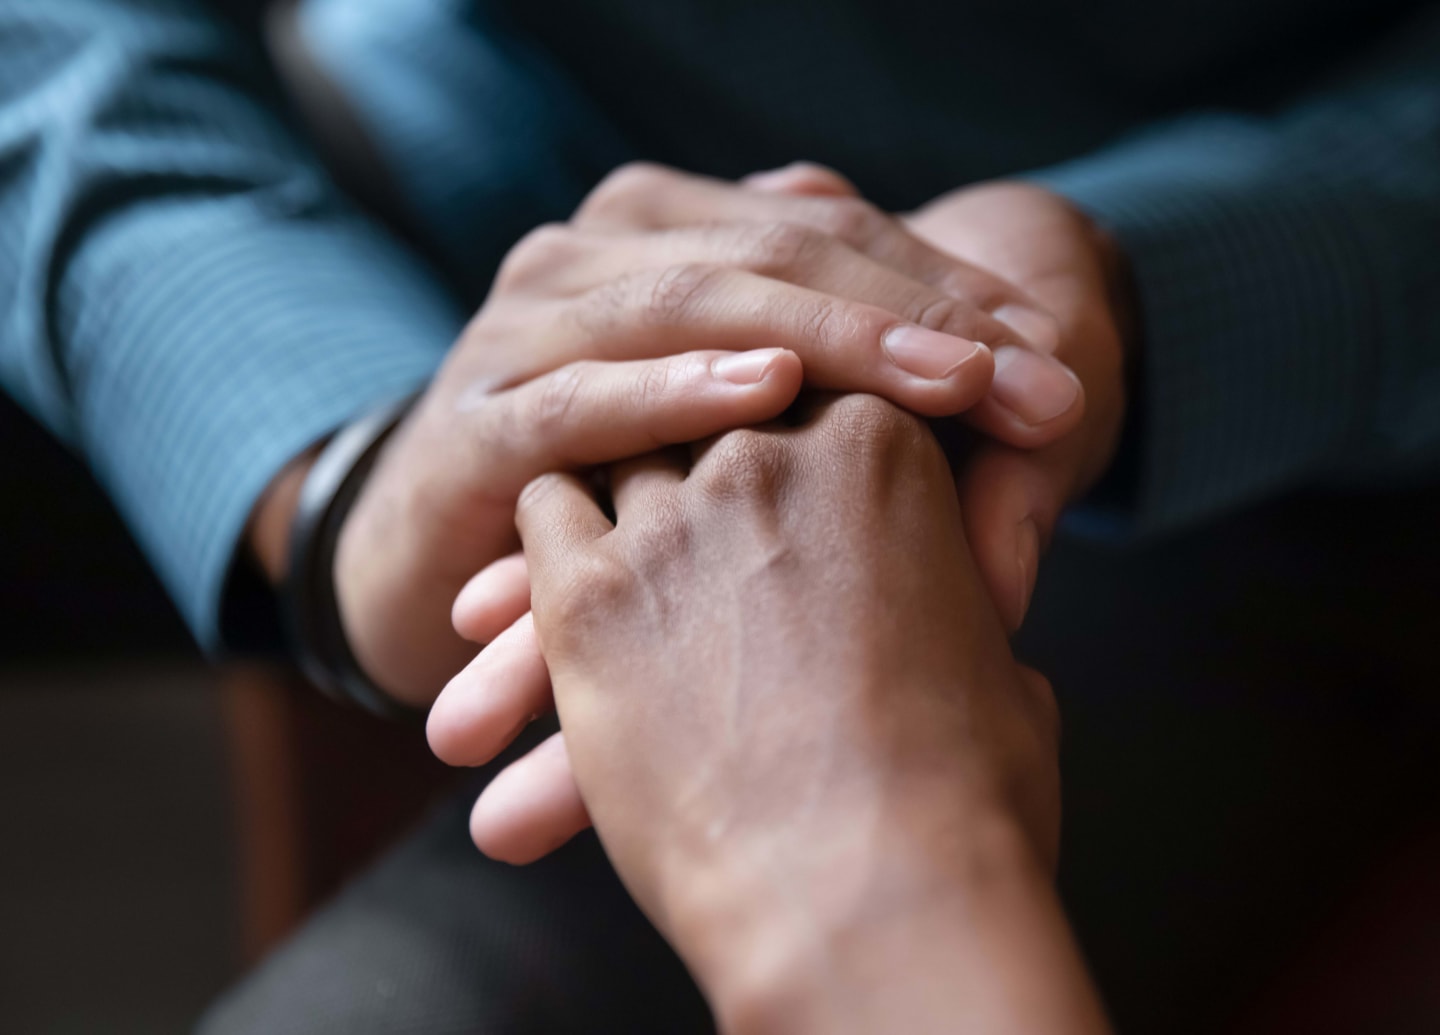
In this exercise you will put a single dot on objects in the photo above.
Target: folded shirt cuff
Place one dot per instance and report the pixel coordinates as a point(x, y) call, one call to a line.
point(1251, 280)
point(212, 341)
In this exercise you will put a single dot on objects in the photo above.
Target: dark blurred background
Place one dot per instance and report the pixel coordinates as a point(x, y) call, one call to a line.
point(117, 883)
point(163, 821)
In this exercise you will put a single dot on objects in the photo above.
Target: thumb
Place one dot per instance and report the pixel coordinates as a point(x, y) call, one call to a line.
point(1011, 501)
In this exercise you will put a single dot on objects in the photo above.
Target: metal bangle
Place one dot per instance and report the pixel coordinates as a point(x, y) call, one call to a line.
point(312, 610)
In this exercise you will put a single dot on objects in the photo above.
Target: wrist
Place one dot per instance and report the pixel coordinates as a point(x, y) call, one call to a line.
point(842, 949)
point(267, 534)
point(291, 537)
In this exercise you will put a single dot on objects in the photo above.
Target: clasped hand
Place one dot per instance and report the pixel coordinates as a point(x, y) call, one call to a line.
point(535, 806)
point(623, 331)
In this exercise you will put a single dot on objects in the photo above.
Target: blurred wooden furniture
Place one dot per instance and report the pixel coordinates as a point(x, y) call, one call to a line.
point(320, 790)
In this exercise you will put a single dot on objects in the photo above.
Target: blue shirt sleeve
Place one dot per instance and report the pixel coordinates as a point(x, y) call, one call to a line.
point(183, 295)
point(1288, 270)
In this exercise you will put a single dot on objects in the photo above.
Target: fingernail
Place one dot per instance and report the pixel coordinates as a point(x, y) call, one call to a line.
point(745, 368)
point(1039, 329)
point(1035, 388)
point(1027, 560)
point(926, 353)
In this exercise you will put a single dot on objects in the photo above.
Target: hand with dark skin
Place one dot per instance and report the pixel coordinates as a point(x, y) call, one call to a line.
point(1011, 497)
point(824, 777)
point(858, 298)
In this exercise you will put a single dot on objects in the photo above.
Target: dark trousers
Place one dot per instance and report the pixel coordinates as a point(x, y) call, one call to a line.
point(1250, 714)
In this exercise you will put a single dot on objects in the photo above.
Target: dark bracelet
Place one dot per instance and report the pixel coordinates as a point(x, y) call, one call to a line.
point(312, 610)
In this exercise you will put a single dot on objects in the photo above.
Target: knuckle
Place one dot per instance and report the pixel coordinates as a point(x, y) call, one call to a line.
point(852, 220)
point(821, 175)
point(536, 492)
point(987, 290)
point(638, 177)
point(942, 314)
point(745, 464)
point(598, 312)
point(877, 428)
point(553, 402)
point(538, 252)
point(627, 187)
point(866, 411)
point(777, 247)
point(675, 291)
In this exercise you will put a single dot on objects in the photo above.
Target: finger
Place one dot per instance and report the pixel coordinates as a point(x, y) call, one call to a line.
point(557, 517)
point(1034, 399)
point(1011, 502)
point(788, 252)
point(801, 178)
point(492, 600)
point(530, 809)
point(844, 345)
point(491, 700)
point(643, 196)
point(557, 513)
point(1030, 410)
point(594, 412)
point(636, 484)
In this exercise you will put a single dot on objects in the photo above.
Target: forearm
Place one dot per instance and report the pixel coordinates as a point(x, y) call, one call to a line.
point(960, 934)
point(1283, 265)
point(193, 304)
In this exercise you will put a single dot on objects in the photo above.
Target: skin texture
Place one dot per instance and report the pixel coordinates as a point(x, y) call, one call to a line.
point(655, 264)
point(1011, 497)
point(824, 778)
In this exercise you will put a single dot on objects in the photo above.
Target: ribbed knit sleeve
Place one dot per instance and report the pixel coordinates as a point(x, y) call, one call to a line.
point(1288, 270)
point(183, 297)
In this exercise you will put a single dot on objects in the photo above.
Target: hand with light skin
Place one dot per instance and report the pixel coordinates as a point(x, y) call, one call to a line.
point(824, 777)
point(852, 297)
point(1011, 498)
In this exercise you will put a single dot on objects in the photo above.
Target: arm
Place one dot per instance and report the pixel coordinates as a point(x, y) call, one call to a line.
point(976, 942)
point(187, 300)
point(439, 504)
point(824, 778)
point(195, 307)
point(1248, 301)
point(1286, 271)
point(1262, 289)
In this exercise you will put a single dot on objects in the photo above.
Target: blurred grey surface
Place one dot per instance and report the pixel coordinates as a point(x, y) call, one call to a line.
point(117, 878)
